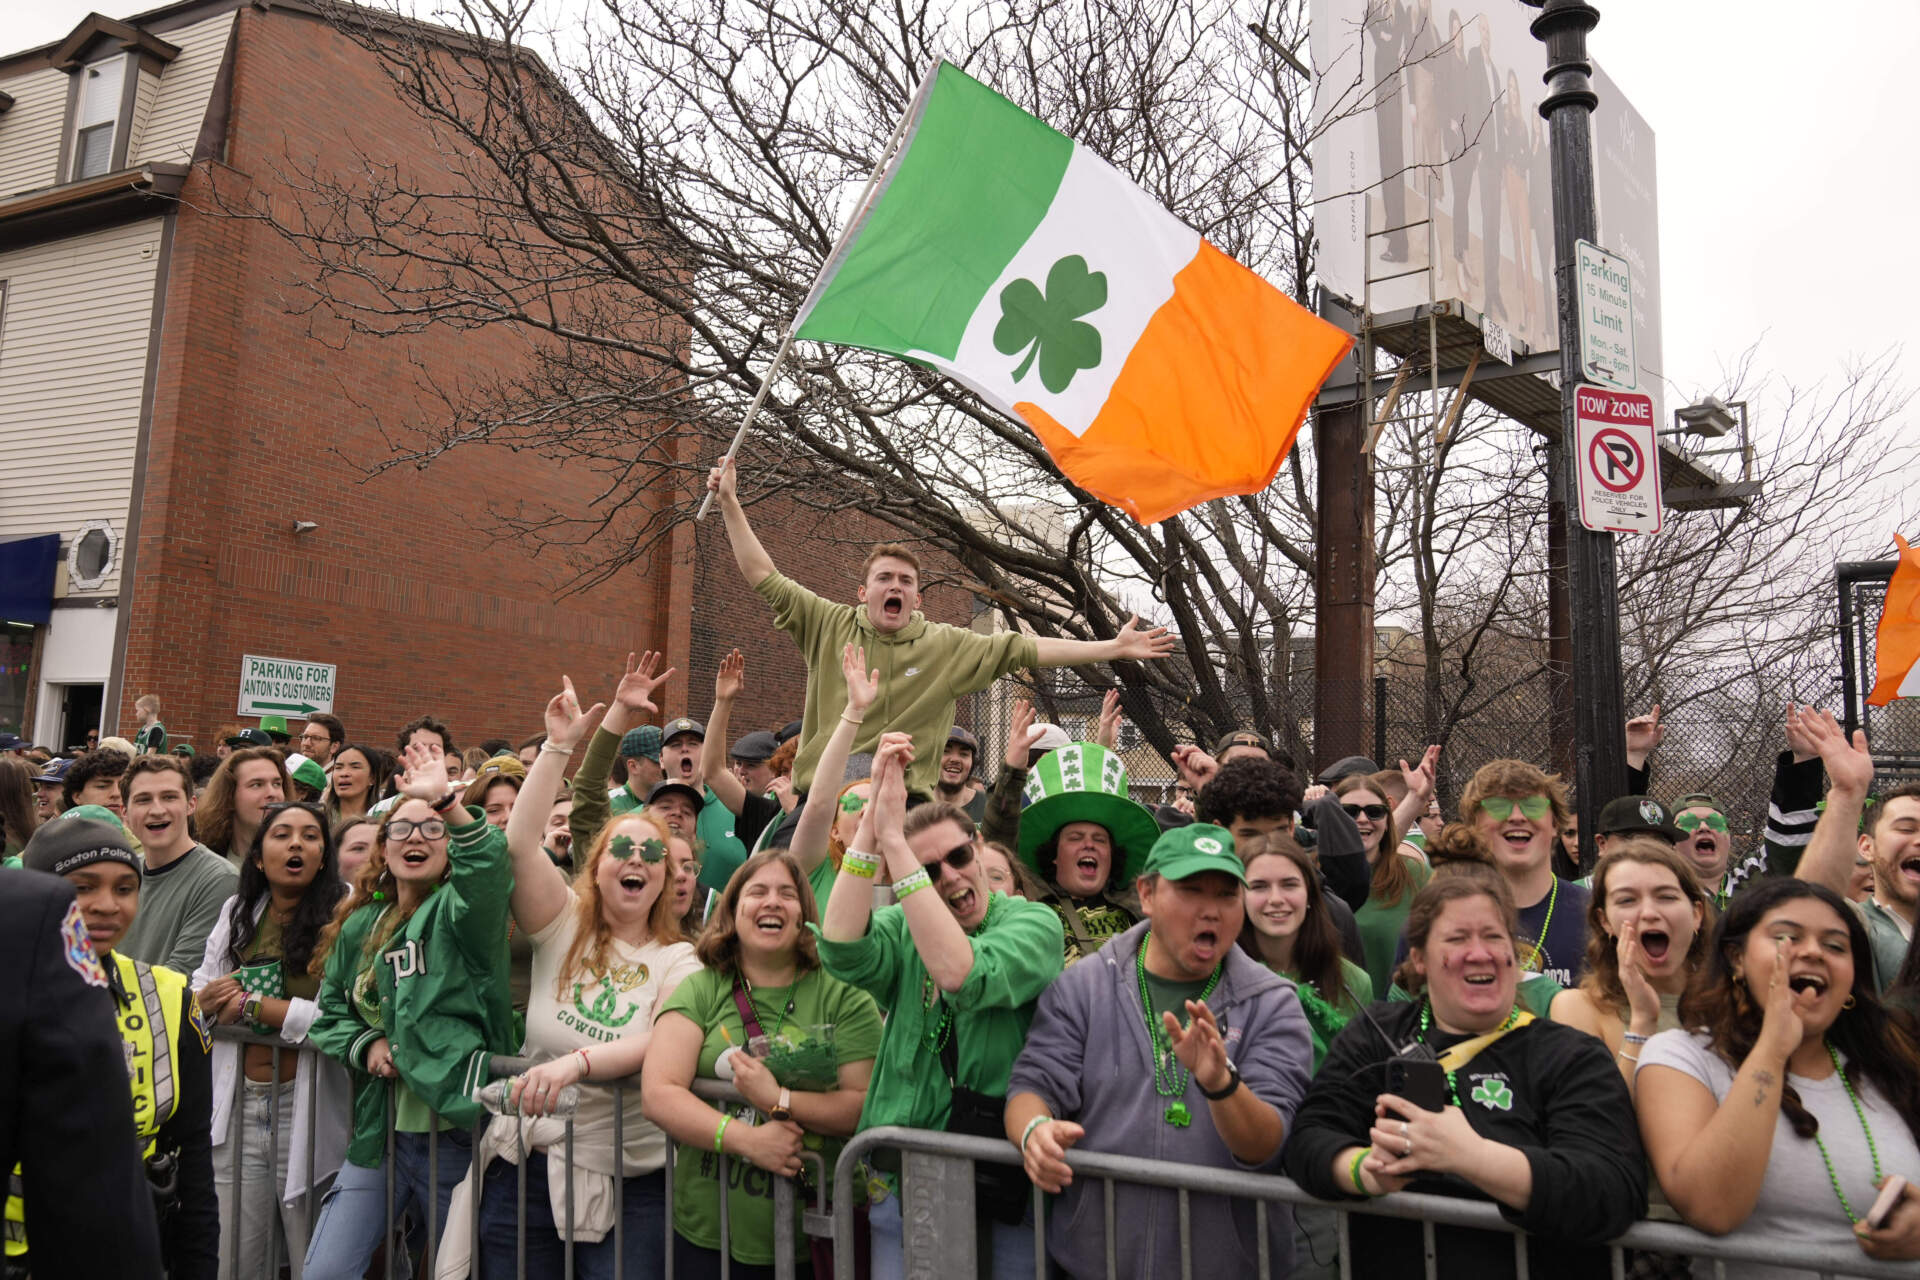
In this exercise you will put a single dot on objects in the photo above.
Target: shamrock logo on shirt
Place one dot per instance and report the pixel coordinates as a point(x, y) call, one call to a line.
point(1047, 325)
point(1493, 1095)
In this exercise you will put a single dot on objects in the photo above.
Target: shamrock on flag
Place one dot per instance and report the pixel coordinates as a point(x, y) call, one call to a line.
point(1157, 371)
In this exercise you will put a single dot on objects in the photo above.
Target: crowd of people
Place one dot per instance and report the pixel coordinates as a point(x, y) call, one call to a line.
point(850, 923)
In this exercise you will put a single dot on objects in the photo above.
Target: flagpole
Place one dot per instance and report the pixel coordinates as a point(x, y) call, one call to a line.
point(887, 152)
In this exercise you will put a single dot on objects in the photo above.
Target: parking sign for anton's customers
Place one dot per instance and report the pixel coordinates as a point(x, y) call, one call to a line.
point(285, 686)
point(1619, 461)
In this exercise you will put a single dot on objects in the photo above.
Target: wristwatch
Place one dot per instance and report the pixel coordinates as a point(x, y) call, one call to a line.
point(1226, 1091)
point(783, 1110)
point(250, 1009)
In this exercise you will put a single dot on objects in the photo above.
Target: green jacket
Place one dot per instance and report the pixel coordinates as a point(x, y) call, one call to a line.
point(923, 668)
point(442, 980)
point(1017, 951)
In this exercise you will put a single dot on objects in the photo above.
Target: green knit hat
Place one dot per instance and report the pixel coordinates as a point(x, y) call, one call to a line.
point(1084, 782)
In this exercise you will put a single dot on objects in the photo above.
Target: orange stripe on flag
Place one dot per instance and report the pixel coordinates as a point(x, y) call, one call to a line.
point(1209, 400)
point(1896, 645)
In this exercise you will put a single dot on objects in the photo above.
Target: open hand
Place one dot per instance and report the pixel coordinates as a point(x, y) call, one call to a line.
point(1420, 778)
point(731, 680)
point(1644, 734)
point(635, 690)
point(1198, 1045)
point(1138, 643)
point(1106, 730)
point(863, 686)
point(1021, 735)
point(1849, 764)
point(567, 724)
point(1799, 741)
point(424, 772)
point(1642, 1000)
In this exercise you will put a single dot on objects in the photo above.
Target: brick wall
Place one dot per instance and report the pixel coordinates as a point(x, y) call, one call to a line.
point(258, 422)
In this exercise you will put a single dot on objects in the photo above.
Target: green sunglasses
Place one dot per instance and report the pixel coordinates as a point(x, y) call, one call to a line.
point(852, 802)
point(1533, 808)
point(1692, 821)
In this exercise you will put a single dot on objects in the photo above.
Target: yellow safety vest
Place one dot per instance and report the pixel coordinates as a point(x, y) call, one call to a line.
point(151, 995)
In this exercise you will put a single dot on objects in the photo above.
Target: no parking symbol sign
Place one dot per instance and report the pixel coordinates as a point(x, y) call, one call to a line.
point(1619, 461)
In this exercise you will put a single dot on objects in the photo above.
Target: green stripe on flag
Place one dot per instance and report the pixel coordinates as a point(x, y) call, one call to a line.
point(975, 179)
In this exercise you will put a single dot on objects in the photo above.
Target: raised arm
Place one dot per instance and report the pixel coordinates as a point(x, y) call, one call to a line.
point(1002, 825)
point(1644, 734)
point(1132, 642)
point(728, 683)
point(850, 905)
point(1420, 782)
point(809, 843)
point(539, 888)
point(633, 697)
point(1830, 851)
point(943, 945)
point(755, 564)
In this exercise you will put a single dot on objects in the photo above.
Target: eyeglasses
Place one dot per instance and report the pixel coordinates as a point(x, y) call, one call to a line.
point(1533, 808)
point(1692, 821)
point(431, 829)
point(1372, 811)
point(958, 858)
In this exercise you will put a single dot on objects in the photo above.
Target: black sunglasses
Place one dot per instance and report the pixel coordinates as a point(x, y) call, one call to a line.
point(959, 858)
point(1374, 811)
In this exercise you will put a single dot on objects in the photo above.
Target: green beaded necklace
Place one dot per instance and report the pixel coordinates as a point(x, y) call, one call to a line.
point(1859, 1112)
point(1426, 1021)
point(1169, 1077)
point(1536, 952)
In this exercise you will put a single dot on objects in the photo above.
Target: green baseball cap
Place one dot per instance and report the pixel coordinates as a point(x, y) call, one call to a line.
point(1187, 851)
point(309, 774)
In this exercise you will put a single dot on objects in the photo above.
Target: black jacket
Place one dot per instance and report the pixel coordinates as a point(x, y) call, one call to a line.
point(1568, 1111)
point(66, 1114)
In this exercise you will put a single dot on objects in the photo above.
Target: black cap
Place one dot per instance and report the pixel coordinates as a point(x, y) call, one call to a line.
point(965, 739)
point(250, 738)
point(1241, 738)
point(1346, 768)
point(674, 728)
point(791, 729)
point(1637, 815)
point(755, 748)
point(65, 845)
point(667, 788)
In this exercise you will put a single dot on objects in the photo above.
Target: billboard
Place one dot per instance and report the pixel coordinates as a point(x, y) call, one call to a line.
point(1430, 152)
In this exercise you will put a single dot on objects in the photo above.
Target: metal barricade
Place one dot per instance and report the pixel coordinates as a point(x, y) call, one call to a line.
point(940, 1237)
point(236, 1146)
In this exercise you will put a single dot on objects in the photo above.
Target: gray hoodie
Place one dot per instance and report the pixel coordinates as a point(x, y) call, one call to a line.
point(1088, 1057)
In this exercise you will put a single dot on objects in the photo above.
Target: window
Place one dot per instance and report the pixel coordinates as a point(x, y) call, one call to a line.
point(90, 555)
point(98, 116)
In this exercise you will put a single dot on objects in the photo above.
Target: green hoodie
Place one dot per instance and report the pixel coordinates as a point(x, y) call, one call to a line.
point(924, 667)
point(442, 987)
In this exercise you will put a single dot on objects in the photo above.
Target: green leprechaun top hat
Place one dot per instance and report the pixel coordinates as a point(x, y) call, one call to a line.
point(1085, 782)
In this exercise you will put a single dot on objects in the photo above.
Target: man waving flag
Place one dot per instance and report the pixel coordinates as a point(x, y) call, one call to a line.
point(1157, 371)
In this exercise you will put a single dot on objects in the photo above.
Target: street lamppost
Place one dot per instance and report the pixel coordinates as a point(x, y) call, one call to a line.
point(1599, 709)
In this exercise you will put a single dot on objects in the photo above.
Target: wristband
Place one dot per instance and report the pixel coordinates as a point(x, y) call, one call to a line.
point(586, 1067)
point(1027, 1132)
point(1630, 1057)
point(1353, 1171)
point(556, 748)
point(911, 883)
point(446, 802)
point(1631, 1038)
point(725, 1120)
point(853, 719)
point(864, 865)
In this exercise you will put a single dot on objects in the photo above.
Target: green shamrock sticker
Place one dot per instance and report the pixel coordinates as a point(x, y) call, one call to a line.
point(1493, 1095)
point(1047, 326)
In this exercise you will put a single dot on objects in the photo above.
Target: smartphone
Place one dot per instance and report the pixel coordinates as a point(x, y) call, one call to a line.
point(1889, 1197)
point(1421, 1080)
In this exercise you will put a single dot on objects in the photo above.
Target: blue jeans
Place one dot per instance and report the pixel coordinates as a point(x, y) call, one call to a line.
point(643, 1218)
point(353, 1214)
point(1008, 1250)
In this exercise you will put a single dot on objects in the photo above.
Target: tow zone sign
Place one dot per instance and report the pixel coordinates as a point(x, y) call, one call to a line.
point(1619, 461)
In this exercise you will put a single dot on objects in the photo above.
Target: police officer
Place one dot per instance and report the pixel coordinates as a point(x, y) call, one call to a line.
point(164, 1047)
point(64, 1121)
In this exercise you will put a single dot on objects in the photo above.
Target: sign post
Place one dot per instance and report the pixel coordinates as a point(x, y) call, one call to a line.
point(285, 686)
point(1618, 460)
point(1605, 284)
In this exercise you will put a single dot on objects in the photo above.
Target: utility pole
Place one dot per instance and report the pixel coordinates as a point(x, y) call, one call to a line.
point(1599, 711)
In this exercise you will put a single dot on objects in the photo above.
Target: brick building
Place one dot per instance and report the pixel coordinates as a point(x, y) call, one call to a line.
point(182, 463)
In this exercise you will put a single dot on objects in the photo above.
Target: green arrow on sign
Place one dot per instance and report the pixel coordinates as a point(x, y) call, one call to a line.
point(302, 707)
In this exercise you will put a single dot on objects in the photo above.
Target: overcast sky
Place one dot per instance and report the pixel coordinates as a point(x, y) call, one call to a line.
point(1781, 200)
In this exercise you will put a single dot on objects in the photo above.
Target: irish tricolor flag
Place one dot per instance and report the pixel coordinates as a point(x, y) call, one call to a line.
point(1157, 371)
point(1896, 645)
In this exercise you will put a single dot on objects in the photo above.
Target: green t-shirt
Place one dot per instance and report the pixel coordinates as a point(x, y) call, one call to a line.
point(1381, 927)
point(1016, 953)
point(706, 998)
point(1326, 1020)
point(822, 880)
point(721, 852)
point(1170, 996)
